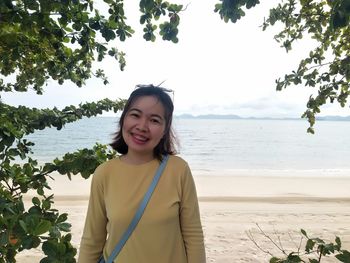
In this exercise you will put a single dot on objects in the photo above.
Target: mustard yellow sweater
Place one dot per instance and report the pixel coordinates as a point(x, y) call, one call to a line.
point(169, 231)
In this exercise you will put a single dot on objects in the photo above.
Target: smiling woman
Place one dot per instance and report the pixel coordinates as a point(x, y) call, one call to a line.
point(170, 229)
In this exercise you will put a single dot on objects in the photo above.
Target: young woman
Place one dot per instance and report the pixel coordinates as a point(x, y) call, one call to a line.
point(170, 229)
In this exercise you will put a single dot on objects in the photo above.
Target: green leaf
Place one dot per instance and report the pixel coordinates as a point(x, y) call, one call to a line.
point(319, 241)
point(36, 242)
point(275, 260)
point(40, 191)
point(338, 242)
point(45, 260)
point(251, 3)
point(292, 258)
point(61, 249)
point(146, 4)
point(23, 225)
point(43, 227)
point(31, 4)
point(303, 232)
point(50, 248)
point(3, 238)
point(55, 232)
point(35, 210)
point(27, 242)
point(344, 256)
point(30, 242)
point(67, 238)
point(46, 204)
point(36, 201)
point(62, 218)
point(64, 227)
point(309, 245)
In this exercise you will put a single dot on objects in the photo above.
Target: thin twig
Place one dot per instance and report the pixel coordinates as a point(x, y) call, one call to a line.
point(251, 238)
point(320, 65)
point(291, 239)
point(269, 238)
point(299, 247)
point(185, 7)
point(279, 239)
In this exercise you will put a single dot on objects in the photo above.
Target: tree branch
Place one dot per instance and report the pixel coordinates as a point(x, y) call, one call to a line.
point(320, 65)
point(8, 186)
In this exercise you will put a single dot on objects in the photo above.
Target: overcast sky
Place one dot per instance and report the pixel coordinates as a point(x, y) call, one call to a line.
point(215, 68)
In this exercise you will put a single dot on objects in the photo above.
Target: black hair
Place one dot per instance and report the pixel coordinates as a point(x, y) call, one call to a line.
point(168, 141)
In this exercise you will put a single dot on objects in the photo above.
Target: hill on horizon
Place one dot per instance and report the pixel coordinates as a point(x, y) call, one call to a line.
point(233, 116)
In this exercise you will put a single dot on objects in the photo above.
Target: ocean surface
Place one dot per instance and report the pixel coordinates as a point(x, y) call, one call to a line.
point(225, 146)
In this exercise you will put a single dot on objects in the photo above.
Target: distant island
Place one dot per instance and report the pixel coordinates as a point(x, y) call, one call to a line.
point(236, 117)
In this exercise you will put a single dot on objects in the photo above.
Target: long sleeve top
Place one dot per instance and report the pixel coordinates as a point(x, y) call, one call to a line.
point(170, 229)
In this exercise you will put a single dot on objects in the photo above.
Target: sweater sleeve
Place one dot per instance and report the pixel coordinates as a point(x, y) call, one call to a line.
point(94, 234)
point(190, 221)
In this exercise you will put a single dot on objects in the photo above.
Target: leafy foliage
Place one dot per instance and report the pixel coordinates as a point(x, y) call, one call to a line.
point(59, 40)
point(327, 68)
point(22, 229)
point(231, 10)
point(316, 249)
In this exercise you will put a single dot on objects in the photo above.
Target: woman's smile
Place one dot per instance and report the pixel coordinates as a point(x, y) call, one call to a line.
point(140, 139)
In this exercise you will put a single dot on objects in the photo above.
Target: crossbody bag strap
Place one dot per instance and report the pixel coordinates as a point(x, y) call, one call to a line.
point(139, 211)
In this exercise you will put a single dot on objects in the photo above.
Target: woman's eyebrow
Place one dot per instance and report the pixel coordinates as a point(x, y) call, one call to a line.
point(135, 109)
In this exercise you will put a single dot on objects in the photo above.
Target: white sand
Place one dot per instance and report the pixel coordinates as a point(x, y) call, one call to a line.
point(233, 205)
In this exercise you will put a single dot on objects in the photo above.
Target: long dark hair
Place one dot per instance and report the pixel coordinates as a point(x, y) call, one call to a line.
point(168, 142)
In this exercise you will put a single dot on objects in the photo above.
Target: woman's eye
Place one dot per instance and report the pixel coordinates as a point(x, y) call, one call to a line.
point(155, 121)
point(134, 115)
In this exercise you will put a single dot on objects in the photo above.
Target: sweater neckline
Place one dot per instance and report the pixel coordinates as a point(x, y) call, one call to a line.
point(137, 165)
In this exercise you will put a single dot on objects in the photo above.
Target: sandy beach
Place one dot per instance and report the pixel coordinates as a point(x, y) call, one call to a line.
point(234, 206)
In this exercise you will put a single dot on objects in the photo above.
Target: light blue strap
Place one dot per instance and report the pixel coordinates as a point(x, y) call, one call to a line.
point(139, 211)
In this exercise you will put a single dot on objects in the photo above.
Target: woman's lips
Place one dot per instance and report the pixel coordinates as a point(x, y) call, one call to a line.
point(140, 139)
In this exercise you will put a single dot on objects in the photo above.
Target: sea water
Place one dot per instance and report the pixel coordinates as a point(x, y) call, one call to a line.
point(224, 146)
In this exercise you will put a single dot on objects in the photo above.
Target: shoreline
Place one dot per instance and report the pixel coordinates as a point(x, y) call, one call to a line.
point(237, 188)
point(284, 173)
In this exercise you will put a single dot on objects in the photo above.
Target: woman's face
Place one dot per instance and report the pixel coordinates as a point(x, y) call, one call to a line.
point(144, 125)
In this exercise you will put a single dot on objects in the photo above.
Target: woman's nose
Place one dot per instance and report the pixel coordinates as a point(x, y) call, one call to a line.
point(142, 125)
